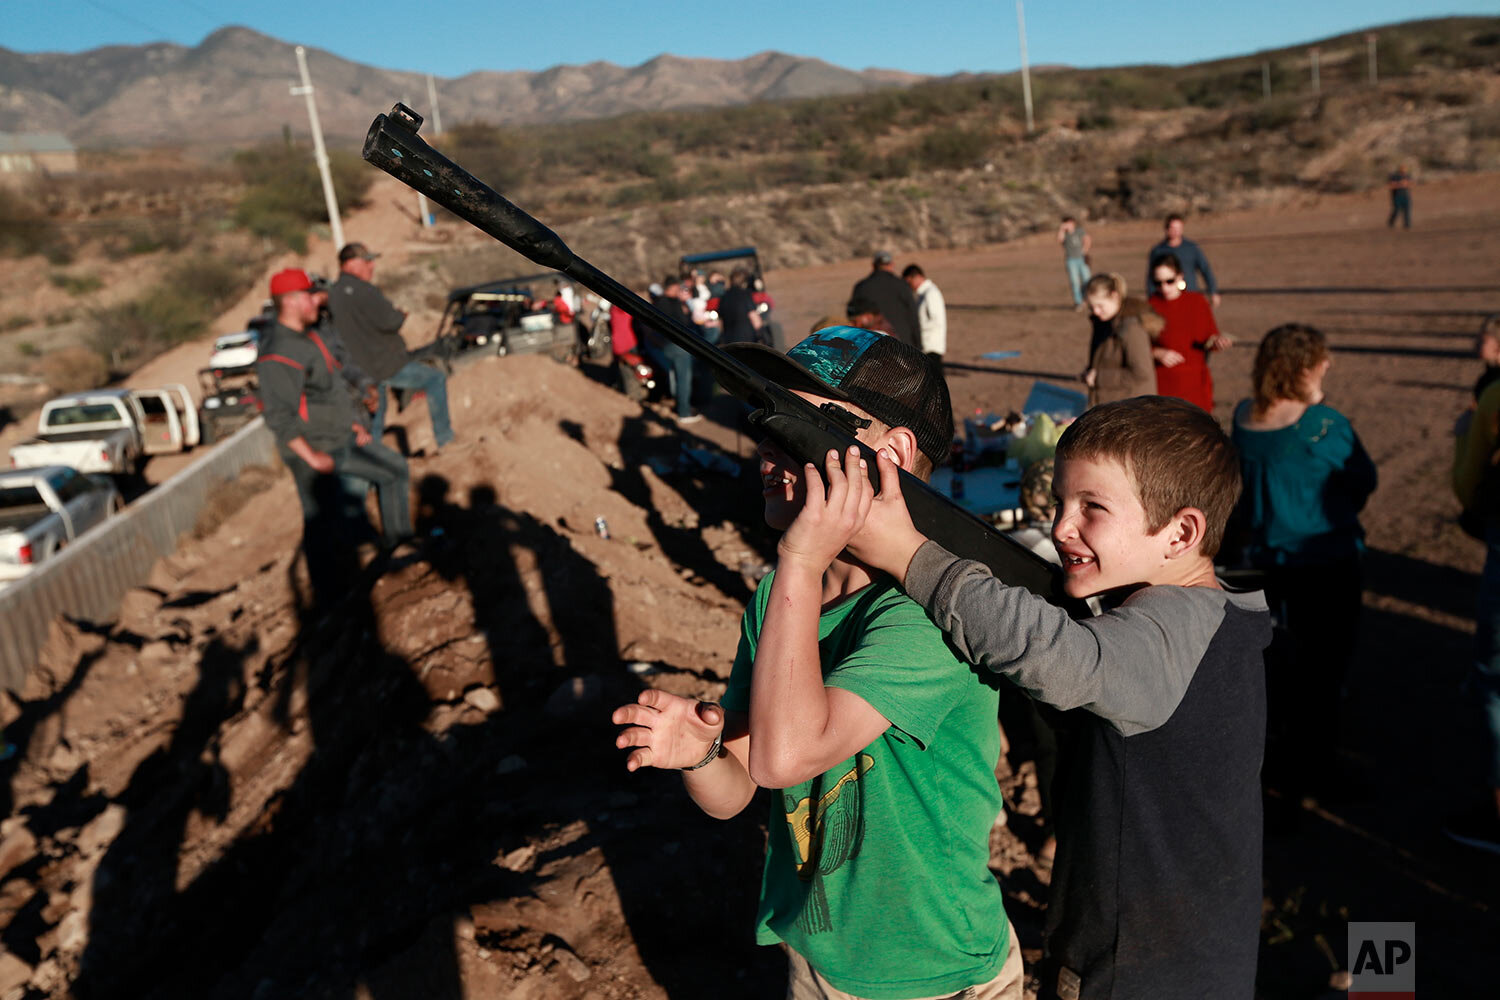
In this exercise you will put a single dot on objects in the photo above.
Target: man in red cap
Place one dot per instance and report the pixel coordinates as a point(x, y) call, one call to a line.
point(310, 412)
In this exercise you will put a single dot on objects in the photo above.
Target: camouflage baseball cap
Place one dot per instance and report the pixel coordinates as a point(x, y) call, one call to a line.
point(892, 381)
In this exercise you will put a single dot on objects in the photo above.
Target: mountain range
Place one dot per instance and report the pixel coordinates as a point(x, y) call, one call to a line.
point(235, 88)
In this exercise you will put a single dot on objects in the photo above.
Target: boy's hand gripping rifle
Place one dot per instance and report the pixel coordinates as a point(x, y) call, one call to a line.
point(803, 431)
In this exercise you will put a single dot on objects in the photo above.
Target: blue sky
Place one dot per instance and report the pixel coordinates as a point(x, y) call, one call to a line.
point(936, 37)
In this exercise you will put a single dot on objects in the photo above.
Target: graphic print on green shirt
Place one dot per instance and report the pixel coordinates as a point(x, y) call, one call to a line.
point(877, 871)
point(827, 835)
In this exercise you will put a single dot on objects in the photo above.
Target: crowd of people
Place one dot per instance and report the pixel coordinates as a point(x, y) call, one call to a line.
point(720, 310)
point(857, 691)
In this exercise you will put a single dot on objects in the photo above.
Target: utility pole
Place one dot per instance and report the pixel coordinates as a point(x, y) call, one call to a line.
point(320, 153)
point(1025, 68)
point(1370, 45)
point(1265, 79)
point(1317, 84)
point(422, 211)
point(437, 119)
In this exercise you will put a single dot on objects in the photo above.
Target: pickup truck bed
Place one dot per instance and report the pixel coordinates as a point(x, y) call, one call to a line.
point(43, 510)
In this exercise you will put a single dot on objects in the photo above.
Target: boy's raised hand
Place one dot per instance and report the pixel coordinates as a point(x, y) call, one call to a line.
point(667, 731)
point(888, 539)
point(827, 521)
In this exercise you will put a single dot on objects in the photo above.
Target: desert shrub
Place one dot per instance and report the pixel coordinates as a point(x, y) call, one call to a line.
point(27, 349)
point(1394, 56)
point(16, 323)
point(25, 229)
point(1484, 123)
point(1128, 88)
point(73, 369)
point(1095, 117)
point(852, 159)
point(896, 165)
point(630, 195)
point(875, 115)
point(717, 178)
point(75, 284)
point(178, 309)
point(797, 170)
point(502, 158)
point(952, 147)
point(285, 192)
point(164, 234)
point(1277, 113)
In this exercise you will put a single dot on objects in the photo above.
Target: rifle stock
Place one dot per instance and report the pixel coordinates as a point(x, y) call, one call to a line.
point(800, 428)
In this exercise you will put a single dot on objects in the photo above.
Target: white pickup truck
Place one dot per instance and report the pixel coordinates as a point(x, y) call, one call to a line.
point(110, 430)
point(42, 510)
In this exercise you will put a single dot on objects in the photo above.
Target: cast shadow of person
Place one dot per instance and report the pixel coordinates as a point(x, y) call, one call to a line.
point(349, 881)
point(681, 877)
point(712, 495)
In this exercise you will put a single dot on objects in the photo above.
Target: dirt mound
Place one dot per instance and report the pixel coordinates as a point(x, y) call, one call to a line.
point(227, 793)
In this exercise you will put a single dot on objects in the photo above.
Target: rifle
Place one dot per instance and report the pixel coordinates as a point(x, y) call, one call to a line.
point(804, 431)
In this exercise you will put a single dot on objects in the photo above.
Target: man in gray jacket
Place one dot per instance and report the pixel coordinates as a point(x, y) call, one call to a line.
point(309, 411)
point(370, 327)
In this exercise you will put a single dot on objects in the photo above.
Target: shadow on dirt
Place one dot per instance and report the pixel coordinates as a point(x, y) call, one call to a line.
point(1402, 352)
point(356, 877)
point(1371, 847)
point(1442, 588)
point(723, 489)
point(1362, 290)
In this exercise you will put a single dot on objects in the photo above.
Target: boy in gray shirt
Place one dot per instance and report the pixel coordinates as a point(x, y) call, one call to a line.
point(1156, 890)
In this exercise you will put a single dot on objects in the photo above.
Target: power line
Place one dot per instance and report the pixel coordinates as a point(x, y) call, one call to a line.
point(214, 15)
point(159, 32)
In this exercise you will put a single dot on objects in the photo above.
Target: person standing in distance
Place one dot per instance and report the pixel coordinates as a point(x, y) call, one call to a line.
point(1076, 244)
point(1190, 257)
point(370, 327)
point(1399, 184)
point(892, 298)
point(932, 311)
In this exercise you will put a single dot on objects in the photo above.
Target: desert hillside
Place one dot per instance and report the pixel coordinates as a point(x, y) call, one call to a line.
point(232, 88)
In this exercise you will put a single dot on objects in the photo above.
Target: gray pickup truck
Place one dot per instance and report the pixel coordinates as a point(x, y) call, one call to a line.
point(43, 510)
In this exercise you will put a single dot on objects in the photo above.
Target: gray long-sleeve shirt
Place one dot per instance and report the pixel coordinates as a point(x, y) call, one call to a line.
point(1156, 889)
point(301, 391)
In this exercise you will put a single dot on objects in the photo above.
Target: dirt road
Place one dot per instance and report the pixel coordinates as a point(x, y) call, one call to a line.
point(228, 793)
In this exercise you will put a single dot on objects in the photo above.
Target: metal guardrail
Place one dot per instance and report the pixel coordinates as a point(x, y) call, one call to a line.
point(89, 578)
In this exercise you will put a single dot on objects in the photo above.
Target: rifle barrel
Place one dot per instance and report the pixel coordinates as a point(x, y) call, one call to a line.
point(805, 432)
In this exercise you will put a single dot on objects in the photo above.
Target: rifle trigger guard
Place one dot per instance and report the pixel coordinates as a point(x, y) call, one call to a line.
point(844, 417)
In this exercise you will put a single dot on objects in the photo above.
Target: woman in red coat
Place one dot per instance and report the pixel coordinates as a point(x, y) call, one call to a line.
point(1181, 349)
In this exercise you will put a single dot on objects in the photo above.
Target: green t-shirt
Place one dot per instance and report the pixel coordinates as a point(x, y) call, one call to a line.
point(877, 871)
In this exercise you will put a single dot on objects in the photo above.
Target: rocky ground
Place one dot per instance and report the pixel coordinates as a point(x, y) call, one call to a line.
point(229, 792)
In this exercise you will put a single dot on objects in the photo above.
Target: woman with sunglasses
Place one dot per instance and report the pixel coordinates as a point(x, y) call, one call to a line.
point(1182, 348)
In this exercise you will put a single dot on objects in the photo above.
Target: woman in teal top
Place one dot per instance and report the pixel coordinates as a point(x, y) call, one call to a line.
point(1306, 478)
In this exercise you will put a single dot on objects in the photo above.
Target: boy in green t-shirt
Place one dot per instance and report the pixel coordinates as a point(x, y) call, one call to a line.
point(847, 700)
